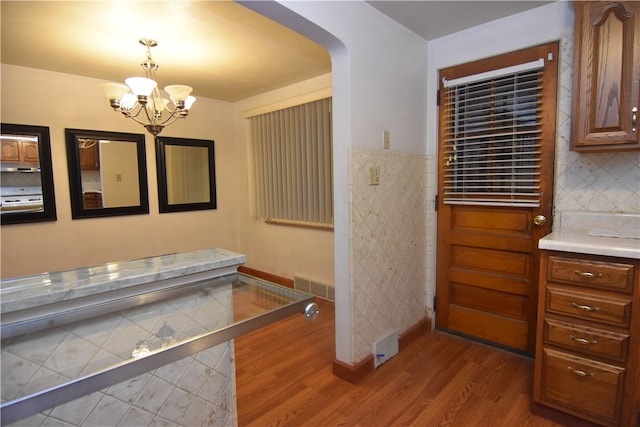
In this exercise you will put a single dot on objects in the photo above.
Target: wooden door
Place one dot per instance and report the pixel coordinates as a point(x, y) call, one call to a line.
point(495, 172)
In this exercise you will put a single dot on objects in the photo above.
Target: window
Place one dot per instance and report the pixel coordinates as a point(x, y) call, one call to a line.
point(293, 164)
point(492, 137)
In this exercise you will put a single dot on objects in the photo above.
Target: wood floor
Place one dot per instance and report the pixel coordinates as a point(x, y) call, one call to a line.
point(284, 379)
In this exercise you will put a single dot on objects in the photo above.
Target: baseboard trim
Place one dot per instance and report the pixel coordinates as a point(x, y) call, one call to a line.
point(355, 373)
point(559, 417)
point(278, 280)
point(413, 333)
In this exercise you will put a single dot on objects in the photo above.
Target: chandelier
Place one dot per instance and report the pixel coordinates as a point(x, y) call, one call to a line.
point(141, 100)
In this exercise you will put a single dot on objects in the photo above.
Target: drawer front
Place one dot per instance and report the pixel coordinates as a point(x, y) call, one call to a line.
point(589, 341)
point(611, 311)
point(589, 388)
point(602, 275)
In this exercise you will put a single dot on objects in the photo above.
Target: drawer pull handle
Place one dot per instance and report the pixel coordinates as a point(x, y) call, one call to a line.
point(583, 341)
point(588, 274)
point(585, 307)
point(580, 373)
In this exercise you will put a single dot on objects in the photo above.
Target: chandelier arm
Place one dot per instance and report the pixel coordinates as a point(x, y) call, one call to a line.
point(135, 118)
point(169, 120)
point(132, 112)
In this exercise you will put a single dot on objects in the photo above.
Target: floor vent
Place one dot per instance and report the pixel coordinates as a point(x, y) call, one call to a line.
point(385, 348)
point(318, 289)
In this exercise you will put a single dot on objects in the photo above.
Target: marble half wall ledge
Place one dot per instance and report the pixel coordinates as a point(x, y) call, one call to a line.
point(124, 278)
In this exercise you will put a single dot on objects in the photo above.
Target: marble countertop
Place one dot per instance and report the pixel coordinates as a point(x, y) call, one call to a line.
point(594, 233)
point(32, 291)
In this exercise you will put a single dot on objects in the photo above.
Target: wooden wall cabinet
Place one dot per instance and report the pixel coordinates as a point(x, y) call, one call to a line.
point(588, 337)
point(90, 156)
point(606, 76)
point(19, 151)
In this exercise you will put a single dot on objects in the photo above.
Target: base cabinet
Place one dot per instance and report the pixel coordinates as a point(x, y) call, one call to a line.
point(588, 344)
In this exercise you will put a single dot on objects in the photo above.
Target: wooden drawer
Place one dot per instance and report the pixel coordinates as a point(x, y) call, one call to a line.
point(589, 341)
point(597, 274)
point(613, 311)
point(587, 387)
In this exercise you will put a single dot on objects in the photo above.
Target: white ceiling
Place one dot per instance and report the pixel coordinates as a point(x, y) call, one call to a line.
point(431, 19)
point(221, 48)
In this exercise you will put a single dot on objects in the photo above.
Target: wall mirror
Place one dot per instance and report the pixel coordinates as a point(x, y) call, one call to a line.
point(186, 174)
point(107, 173)
point(26, 181)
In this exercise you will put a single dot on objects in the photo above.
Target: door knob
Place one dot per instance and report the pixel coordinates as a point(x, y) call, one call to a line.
point(539, 220)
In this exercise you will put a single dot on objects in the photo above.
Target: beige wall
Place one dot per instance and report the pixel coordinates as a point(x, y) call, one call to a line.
point(62, 101)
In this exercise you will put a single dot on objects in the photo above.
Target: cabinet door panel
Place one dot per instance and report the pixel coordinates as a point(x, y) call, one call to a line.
point(589, 388)
point(606, 76)
point(30, 152)
point(10, 151)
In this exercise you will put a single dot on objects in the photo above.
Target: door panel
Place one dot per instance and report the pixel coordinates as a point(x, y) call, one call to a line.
point(487, 256)
point(487, 326)
point(500, 303)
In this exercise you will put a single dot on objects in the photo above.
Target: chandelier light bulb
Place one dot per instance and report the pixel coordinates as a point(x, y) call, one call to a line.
point(128, 101)
point(189, 102)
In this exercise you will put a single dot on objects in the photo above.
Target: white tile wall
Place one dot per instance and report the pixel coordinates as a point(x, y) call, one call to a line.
point(195, 391)
point(389, 229)
point(592, 182)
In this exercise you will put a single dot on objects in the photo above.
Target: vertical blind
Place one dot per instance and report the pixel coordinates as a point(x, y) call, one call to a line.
point(492, 137)
point(292, 157)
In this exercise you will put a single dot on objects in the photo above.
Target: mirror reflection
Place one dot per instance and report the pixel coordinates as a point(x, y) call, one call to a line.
point(26, 182)
point(107, 172)
point(186, 176)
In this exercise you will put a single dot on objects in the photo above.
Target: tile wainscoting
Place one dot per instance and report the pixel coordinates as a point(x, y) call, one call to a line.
point(389, 235)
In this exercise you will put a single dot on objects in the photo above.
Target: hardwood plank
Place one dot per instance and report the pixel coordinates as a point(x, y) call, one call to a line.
point(283, 376)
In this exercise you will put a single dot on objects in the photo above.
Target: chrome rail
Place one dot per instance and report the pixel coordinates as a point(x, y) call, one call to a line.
point(31, 404)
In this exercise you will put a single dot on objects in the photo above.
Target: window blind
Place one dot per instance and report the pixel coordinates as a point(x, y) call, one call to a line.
point(492, 138)
point(293, 165)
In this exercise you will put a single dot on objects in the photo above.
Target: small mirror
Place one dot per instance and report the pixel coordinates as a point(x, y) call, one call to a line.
point(26, 182)
point(107, 173)
point(186, 174)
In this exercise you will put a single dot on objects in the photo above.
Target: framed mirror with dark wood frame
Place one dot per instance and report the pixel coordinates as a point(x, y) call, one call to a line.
point(26, 181)
point(107, 173)
point(186, 174)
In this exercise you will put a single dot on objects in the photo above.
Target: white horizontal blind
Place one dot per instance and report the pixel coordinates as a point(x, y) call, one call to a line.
point(492, 140)
point(293, 163)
